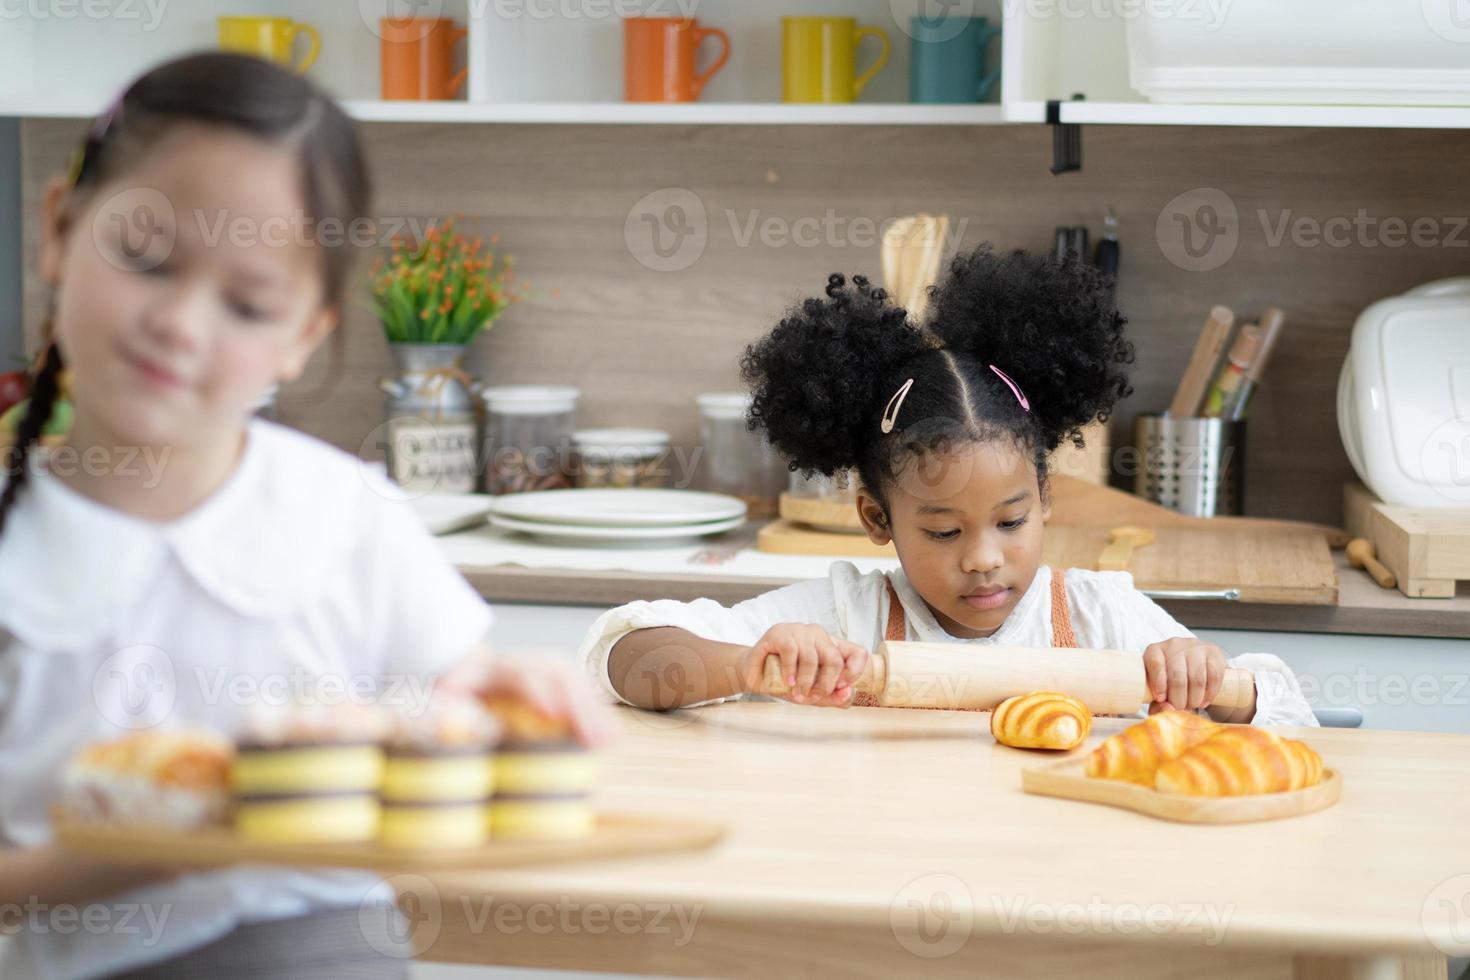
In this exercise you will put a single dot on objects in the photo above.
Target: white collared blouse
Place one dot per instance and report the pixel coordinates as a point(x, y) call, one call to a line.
point(305, 576)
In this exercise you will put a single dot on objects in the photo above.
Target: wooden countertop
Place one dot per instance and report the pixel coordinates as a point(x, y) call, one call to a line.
point(841, 823)
point(1362, 606)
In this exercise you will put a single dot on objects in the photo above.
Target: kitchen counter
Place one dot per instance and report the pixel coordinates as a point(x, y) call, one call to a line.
point(882, 842)
point(1363, 607)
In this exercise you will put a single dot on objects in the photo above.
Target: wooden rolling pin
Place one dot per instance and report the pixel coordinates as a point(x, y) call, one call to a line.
point(956, 675)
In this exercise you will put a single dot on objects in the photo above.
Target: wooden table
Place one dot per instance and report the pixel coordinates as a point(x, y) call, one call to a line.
point(883, 842)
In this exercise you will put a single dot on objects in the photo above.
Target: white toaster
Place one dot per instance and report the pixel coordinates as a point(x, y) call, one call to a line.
point(1403, 397)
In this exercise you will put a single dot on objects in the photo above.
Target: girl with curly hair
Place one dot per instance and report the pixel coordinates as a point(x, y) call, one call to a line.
point(948, 427)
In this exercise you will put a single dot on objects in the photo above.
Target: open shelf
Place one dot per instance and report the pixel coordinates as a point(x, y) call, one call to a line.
point(546, 66)
point(712, 113)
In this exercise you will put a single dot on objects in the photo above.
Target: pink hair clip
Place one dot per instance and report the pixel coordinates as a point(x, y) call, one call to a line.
point(1017, 391)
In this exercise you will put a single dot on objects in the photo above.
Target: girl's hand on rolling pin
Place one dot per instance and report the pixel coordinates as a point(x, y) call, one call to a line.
point(817, 667)
point(1183, 673)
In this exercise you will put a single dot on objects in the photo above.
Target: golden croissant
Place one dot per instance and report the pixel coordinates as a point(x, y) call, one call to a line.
point(1241, 761)
point(1041, 720)
point(1135, 754)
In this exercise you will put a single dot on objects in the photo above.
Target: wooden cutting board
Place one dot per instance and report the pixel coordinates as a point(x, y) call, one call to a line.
point(1075, 501)
point(614, 835)
point(1290, 565)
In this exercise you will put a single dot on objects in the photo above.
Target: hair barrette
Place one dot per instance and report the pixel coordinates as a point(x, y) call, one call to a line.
point(1014, 389)
point(890, 414)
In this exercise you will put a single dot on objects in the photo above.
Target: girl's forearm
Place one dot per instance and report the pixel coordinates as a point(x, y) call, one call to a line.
point(50, 876)
point(667, 667)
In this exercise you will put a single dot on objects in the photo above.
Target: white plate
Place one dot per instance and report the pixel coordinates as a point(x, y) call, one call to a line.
point(620, 507)
point(444, 513)
point(583, 532)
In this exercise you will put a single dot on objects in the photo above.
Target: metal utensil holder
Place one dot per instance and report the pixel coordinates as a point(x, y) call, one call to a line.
point(1193, 465)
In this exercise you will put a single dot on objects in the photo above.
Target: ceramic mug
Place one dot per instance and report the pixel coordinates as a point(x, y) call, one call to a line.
point(660, 55)
point(819, 58)
point(417, 55)
point(947, 59)
point(271, 38)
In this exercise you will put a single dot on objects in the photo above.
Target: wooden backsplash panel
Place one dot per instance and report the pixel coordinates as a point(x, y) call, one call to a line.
point(642, 343)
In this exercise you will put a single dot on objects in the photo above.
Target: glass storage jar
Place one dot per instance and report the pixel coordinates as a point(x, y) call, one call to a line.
point(528, 431)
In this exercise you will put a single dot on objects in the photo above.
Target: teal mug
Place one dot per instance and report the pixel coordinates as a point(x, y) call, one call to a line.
point(947, 59)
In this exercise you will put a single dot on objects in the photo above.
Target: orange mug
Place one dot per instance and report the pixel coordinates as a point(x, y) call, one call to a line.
point(418, 57)
point(659, 57)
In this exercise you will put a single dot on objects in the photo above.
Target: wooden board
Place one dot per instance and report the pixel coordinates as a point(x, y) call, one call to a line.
point(1064, 778)
point(787, 538)
point(615, 835)
point(1283, 565)
point(830, 514)
point(1426, 548)
point(1078, 502)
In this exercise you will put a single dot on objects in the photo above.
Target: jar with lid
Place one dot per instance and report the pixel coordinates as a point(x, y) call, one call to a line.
point(738, 461)
point(621, 457)
point(527, 443)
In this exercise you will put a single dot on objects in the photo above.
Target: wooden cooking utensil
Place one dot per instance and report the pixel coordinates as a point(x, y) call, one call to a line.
point(1121, 541)
point(1362, 554)
point(949, 675)
point(912, 250)
point(1202, 362)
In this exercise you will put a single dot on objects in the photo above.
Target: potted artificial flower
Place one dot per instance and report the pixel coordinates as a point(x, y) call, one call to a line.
point(433, 297)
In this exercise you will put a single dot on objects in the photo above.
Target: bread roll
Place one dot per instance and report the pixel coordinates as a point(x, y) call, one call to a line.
point(1241, 761)
point(1041, 720)
point(176, 780)
point(1135, 754)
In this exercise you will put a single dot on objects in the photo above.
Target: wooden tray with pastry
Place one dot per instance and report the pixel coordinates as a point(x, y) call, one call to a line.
point(1176, 765)
point(461, 784)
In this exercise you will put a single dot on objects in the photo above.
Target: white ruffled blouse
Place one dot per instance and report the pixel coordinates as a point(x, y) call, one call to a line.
point(1107, 612)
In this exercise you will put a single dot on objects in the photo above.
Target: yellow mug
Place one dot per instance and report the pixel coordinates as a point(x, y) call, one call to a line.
point(819, 58)
point(269, 37)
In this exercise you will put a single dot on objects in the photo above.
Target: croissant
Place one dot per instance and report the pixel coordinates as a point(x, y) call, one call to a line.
point(1134, 754)
point(1241, 761)
point(1041, 720)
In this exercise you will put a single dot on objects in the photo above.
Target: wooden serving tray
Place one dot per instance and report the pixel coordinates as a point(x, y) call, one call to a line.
point(615, 835)
point(1064, 778)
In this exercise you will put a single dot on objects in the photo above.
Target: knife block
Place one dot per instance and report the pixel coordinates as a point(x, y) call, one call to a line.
point(1427, 548)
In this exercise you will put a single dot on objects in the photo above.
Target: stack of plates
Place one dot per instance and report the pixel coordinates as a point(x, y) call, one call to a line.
point(622, 514)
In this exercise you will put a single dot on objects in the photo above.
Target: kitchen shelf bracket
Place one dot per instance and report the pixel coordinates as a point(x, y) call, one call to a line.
point(1066, 139)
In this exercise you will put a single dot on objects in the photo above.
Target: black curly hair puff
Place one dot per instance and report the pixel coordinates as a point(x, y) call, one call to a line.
point(821, 380)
